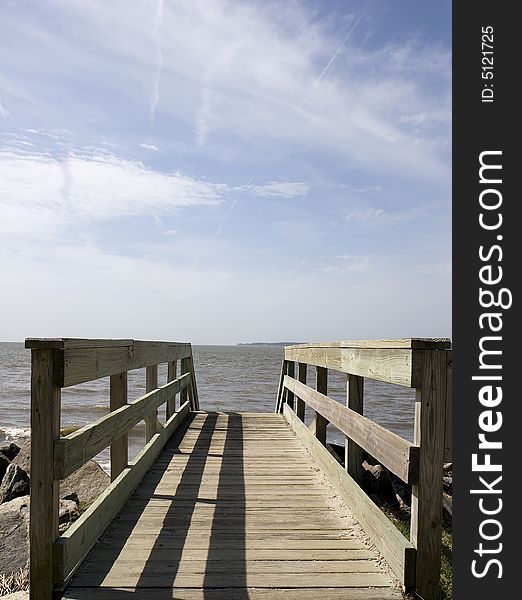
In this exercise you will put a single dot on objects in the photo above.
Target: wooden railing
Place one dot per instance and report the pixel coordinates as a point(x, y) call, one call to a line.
point(59, 363)
point(423, 364)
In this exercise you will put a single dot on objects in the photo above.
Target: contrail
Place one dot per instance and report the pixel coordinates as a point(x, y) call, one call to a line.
point(158, 18)
point(325, 70)
point(4, 113)
point(294, 113)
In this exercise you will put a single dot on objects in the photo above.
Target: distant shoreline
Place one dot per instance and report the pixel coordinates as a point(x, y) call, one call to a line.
point(268, 343)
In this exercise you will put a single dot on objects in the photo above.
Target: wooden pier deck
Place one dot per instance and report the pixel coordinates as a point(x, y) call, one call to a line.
point(232, 509)
point(239, 505)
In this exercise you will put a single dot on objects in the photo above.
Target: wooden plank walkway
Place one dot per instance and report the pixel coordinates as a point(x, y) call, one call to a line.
point(232, 509)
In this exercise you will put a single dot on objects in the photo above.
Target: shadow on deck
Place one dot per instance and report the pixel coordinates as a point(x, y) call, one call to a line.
point(231, 509)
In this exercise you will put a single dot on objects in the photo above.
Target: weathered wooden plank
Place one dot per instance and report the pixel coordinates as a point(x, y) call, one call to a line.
point(258, 593)
point(81, 364)
point(280, 388)
point(396, 549)
point(426, 507)
point(199, 580)
point(185, 368)
point(252, 542)
point(45, 429)
point(193, 385)
point(74, 450)
point(320, 422)
point(152, 424)
point(72, 547)
point(300, 405)
point(395, 453)
point(119, 447)
point(353, 454)
point(161, 567)
point(190, 555)
point(448, 433)
point(412, 343)
point(400, 366)
point(62, 343)
point(172, 369)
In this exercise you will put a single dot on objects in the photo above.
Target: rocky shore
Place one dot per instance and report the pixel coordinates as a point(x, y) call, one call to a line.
point(390, 492)
point(76, 493)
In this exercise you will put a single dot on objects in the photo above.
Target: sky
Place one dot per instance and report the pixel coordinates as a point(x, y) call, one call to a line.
point(224, 171)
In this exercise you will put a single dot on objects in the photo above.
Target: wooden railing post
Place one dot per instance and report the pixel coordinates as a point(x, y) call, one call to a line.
point(290, 371)
point(45, 429)
point(120, 447)
point(353, 453)
point(172, 369)
point(426, 506)
point(185, 368)
point(322, 387)
point(193, 387)
point(151, 422)
point(300, 405)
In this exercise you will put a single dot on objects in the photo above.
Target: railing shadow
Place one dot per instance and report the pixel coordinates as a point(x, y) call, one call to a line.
point(226, 560)
point(169, 561)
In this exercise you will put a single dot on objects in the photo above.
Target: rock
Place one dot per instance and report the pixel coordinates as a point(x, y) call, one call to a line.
point(14, 484)
point(14, 535)
point(10, 451)
point(4, 463)
point(69, 512)
point(402, 493)
point(87, 482)
point(377, 483)
point(23, 458)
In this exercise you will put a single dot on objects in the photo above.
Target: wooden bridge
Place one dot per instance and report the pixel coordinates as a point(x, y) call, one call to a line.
point(237, 505)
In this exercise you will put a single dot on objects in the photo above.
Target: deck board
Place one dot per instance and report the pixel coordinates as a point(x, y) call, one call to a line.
point(233, 508)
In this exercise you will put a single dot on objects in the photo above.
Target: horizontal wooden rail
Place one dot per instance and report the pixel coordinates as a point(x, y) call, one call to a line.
point(78, 361)
point(72, 547)
point(420, 363)
point(395, 453)
point(396, 549)
point(74, 450)
point(61, 362)
point(399, 366)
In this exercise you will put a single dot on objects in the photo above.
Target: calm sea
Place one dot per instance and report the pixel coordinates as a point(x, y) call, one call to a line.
point(229, 378)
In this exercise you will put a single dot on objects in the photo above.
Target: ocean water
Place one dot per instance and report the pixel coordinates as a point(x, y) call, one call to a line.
point(229, 378)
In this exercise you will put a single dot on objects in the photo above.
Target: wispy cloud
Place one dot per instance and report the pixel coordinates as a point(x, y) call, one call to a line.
point(347, 263)
point(158, 19)
point(378, 216)
point(38, 191)
point(4, 113)
point(152, 147)
point(283, 189)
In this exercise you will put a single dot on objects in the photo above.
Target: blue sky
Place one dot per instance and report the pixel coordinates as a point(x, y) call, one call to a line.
point(223, 171)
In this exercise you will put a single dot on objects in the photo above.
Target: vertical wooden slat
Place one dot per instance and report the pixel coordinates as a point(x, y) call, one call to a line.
point(290, 371)
point(45, 429)
point(193, 385)
point(185, 368)
point(320, 421)
point(120, 447)
point(151, 422)
point(300, 405)
point(426, 507)
point(353, 454)
point(172, 370)
point(448, 435)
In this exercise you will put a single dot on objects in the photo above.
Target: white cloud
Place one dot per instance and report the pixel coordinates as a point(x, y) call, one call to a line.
point(4, 113)
point(244, 70)
point(282, 189)
point(378, 216)
point(42, 193)
point(150, 147)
